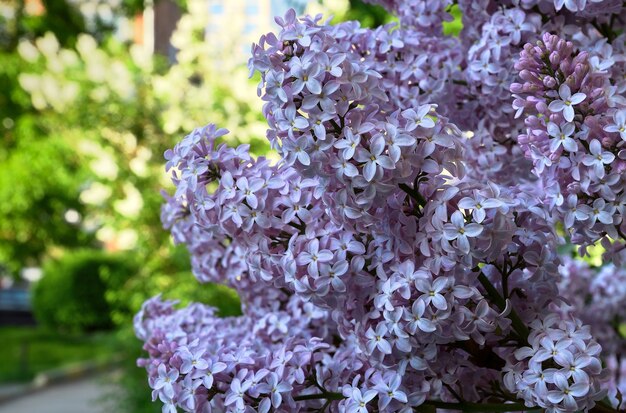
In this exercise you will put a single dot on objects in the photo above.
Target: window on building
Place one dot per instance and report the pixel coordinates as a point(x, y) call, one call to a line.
point(252, 9)
point(249, 28)
point(216, 8)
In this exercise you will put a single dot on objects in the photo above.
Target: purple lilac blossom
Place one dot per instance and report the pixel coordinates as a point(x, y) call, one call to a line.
point(405, 249)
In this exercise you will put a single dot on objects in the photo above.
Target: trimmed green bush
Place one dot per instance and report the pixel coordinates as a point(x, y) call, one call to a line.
point(71, 296)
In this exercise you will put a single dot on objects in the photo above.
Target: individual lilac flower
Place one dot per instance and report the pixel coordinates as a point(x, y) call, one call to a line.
point(566, 102)
point(388, 390)
point(193, 172)
point(306, 75)
point(298, 151)
point(481, 316)
point(418, 118)
point(574, 367)
point(232, 211)
point(517, 25)
point(236, 392)
point(483, 67)
point(613, 97)
point(538, 378)
point(551, 349)
point(383, 299)
point(208, 373)
point(274, 85)
point(344, 167)
point(567, 393)
point(599, 211)
point(540, 160)
point(562, 137)
point(573, 212)
point(192, 360)
point(416, 319)
point(456, 229)
point(432, 291)
point(291, 121)
point(313, 256)
point(274, 387)
point(395, 141)
point(598, 158)
point(478, 204)
point(345, 243)
point(251, 216)
point(331, 65)
point(322, 98)
point(348, 144)
point(571, 5)
point(229, 189)
point(294, 209)
point(169, 404)
point(357, 401)
point(331, 275)
point(316, 122)
point(187, 395)
point(248, 189)
point(374, 158)
point(300, 33)
point(376, 339)
point(296, 186)
point(619, 124)
point(278, 323)
point(165, 380)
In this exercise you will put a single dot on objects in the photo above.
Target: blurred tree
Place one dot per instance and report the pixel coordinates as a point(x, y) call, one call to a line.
point(368, 14)
point(72, 294)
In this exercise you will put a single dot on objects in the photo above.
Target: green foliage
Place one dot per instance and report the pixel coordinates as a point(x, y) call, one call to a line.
point(71, 296)
point(27, 351)
point(168, 274)
point(454, 27)
point(368, 15)
point(38, 186)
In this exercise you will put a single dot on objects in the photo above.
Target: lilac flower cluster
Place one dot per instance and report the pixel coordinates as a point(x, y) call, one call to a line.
point(573, 137)
point(597, 296)
point(404, 251)
point(560, 369)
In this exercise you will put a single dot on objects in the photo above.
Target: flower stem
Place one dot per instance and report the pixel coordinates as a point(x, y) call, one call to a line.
point(413, 193)
point(517, 323)
point(482, 407)
point(320, 396)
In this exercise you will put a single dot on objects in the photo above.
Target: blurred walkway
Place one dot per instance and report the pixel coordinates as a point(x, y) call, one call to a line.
point(84, 396)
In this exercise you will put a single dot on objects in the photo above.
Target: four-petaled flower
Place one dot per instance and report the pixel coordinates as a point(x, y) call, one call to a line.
point(274, 387)
point(237, 392)
point(567, 393)
point(374, 158)
point(165, 380)
point(457, 230)
point(376, 339)
point(388, 390)
point(357, 402)
point(598, 158)
point(619, 124)
point(418, 118)
point(313, 256)
point(207, 375)
point(562, 137)
point(566, 102)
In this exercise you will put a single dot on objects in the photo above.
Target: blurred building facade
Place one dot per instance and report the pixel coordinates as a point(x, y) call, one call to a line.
point(232, 26)
point(235, 24)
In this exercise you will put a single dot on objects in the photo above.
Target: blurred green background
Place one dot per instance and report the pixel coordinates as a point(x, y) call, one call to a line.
point(93, 93)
